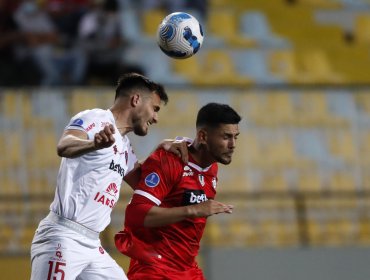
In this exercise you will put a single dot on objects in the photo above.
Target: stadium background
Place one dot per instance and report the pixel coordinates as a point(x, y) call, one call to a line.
point(298, 71)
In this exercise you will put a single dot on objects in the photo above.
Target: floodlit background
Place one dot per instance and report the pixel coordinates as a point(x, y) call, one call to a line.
point(298, 71)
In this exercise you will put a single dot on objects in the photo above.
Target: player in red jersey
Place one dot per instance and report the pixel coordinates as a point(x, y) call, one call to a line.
point(167, 215)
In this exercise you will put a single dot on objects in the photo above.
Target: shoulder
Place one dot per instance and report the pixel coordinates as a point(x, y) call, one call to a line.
point(90, 119)
point(163, 157)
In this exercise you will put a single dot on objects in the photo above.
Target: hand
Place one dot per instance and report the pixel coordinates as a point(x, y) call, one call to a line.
point(104, 138)
point(177, 147)
point(209, 208)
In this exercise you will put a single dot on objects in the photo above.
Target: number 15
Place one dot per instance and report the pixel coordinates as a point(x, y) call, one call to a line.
point(57, 270)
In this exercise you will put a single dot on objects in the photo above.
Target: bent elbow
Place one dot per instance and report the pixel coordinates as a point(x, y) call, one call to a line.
point(60, 150)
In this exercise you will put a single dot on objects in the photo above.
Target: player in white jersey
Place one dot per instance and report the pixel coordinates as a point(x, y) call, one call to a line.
point(96, 157)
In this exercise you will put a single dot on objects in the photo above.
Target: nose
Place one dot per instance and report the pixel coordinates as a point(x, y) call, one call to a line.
point(155, 118)
point(232, 143)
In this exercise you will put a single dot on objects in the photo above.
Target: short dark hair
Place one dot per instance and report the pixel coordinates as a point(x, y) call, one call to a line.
point(134, 81)
point(214, 114)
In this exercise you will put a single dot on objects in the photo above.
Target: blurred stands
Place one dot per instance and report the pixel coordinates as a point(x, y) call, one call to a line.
point(300, 170)
point(274, 42)
point(300, 174)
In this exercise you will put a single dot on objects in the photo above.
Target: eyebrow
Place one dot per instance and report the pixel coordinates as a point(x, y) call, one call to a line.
point(231, 134)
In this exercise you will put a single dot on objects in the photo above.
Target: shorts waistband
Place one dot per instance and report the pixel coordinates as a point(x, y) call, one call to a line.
point(72, 225)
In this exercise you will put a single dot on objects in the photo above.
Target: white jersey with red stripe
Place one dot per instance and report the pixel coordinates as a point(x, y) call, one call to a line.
point(88, 186)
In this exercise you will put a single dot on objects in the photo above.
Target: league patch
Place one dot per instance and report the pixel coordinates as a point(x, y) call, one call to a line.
point(77, 122)
point(152, 180)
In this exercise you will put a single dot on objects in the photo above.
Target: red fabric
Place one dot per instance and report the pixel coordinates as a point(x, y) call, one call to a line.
point(165, 179)
point(139, 207)
point(139, 271)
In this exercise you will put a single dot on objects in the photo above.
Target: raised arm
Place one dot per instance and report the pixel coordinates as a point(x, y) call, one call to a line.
point(75, 143)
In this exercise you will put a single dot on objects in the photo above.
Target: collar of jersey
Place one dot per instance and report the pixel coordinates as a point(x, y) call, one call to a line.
point(197, 167)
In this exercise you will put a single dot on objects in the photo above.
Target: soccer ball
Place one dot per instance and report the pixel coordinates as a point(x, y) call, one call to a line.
point(180, 35)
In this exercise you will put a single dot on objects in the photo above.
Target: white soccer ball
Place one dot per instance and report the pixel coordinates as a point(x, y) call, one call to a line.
point(180, 35)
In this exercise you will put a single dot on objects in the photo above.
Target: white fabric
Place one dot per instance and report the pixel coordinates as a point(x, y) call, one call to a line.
point(148, 196)
point(88, 186)
point(58, 251)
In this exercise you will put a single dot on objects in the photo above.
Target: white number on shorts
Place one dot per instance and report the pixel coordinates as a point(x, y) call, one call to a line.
point(57, 269)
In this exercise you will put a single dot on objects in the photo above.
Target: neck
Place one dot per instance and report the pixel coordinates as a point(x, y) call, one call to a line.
point(123, 120)
point(200, 154)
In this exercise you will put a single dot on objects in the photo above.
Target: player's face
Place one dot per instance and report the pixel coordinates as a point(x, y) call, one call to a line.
point(147, 113)
point(221, 142)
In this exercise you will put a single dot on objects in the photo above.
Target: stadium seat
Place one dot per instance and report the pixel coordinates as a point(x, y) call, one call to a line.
point(37, 157)
point(189, 68)
point(221, 70)
point(362, 100)
point(213, 234)
point(255, 25)
point(242, 234)
point(364, 232)
point(25, 237)
point(253, 64)
point(9, 104)
point(82, 99)
point(362, 29)
point(321, 4)
point(317, 67)
point(150, 19)
point(224, 23)
point(342, 181)
point(309, 181)
point(181, 109)
point(273, 182)
point(342, 146)
point(283, 64)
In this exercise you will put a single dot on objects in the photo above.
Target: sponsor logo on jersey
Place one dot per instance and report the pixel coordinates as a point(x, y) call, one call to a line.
point(58, 254)
point(77, 122)
point(104, 200)
point(201, 179)
point(187, 171)
point(194, 197)
point(117, 168)
point(104, 124)
point(152, 180)
point(89, 127)
point(112, 189)
point(214, 182)
point(115, 149)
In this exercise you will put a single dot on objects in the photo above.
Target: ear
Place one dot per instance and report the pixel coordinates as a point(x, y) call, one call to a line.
point(202, 136)
point(135, 100)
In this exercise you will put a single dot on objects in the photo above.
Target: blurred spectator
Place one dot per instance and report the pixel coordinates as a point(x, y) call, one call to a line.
point(100, 35)
point(58, 64)
point(11, 67)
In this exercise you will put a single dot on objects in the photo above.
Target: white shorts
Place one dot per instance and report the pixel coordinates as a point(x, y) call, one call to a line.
point(67, 251)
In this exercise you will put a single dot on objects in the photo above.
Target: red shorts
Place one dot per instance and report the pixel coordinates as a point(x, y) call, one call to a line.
point(139, 271)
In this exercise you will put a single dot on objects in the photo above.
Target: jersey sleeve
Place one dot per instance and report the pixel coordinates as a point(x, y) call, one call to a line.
point(159, 174)
point(87, 121)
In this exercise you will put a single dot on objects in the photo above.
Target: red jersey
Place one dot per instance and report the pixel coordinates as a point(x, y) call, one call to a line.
point(167, 182)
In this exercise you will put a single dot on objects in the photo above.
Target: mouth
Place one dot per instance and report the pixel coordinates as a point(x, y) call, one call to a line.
point(149, 123)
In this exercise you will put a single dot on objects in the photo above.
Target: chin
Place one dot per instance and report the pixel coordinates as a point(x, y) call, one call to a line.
point(141, 131)
point(224, 161)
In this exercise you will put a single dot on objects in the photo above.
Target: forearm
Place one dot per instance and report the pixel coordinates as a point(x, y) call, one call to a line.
point(72, 146)
point(159, 216)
